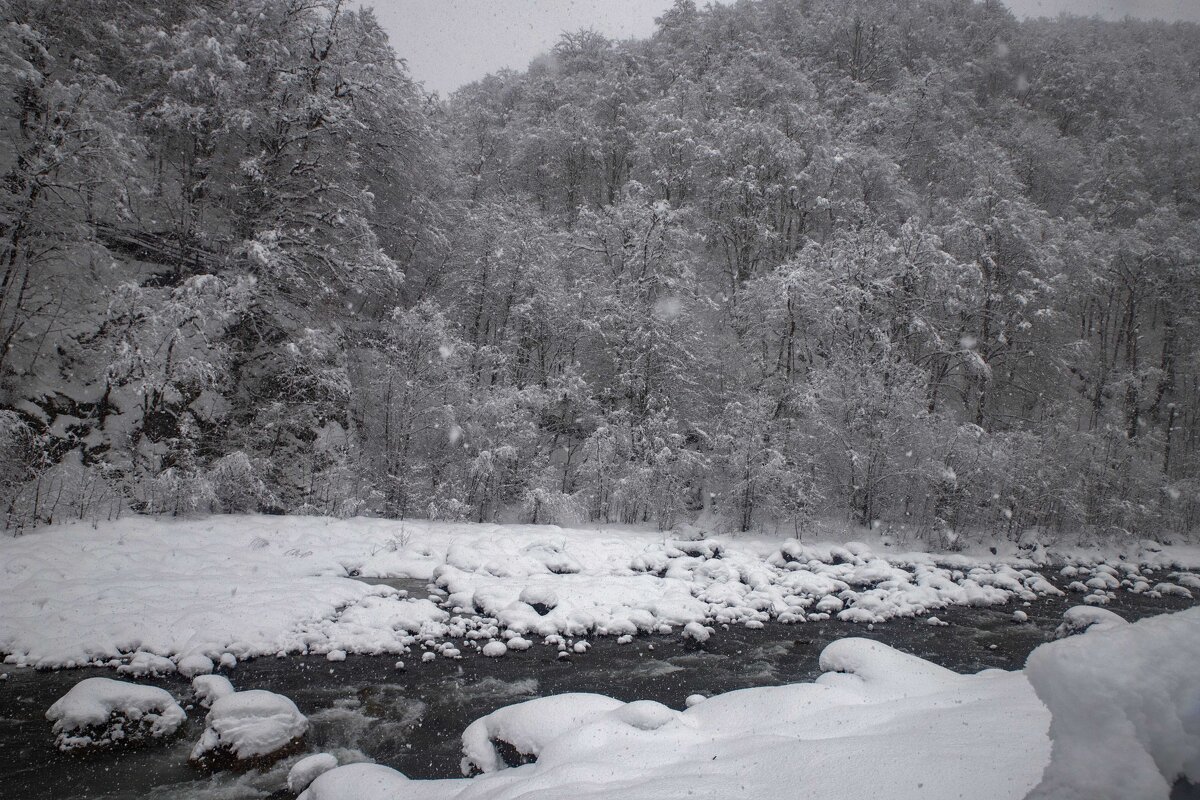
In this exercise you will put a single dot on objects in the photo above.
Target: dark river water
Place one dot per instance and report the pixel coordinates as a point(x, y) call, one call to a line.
point(411, 720)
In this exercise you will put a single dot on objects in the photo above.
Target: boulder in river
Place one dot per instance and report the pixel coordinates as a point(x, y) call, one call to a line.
point(245, 730)
point(101, 712)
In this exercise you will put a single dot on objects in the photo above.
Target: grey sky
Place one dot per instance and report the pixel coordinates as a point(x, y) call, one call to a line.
point(451, 42)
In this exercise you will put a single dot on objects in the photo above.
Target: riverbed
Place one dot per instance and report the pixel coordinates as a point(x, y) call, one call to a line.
point(410, 718)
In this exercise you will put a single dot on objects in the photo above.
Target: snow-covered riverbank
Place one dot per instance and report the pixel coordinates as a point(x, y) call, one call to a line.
point(150, 595)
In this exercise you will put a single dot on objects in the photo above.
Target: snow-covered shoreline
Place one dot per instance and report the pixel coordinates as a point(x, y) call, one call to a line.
point(144, 594)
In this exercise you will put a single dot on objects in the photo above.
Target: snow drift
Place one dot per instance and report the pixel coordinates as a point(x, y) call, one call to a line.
point(1125, 700)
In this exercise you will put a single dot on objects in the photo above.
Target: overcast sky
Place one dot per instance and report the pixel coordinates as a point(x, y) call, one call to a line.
point(448, 43)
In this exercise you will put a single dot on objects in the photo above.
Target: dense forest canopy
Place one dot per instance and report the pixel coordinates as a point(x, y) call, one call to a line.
point(912, 263)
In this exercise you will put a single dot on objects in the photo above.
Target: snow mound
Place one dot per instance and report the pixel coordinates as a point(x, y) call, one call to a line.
point(876, 670)
point(248, 725)
point(528, 727)
point(1170, 589)
point(1125, 701)
point(697, 632)
point(143, 663)
point(645, 715)
point(308, 769)
point(1079, 619)
point(210, 688)
point(376, 782)
point(195, 664)
point(100, 712)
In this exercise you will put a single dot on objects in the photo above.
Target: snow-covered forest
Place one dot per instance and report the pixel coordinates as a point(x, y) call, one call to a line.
point(918, 264)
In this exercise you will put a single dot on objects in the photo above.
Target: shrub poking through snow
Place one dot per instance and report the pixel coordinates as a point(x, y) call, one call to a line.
point(249, 728)
point(101, 712)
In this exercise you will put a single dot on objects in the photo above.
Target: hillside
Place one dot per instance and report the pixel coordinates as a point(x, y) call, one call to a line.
point(914, 264)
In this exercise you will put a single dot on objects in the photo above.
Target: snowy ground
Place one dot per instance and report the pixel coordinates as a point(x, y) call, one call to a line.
point(153, 595)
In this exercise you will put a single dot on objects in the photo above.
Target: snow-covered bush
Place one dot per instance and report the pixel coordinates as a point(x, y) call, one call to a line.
point(64, 491)
point(177, 491)
point(236, 486)
point(541, 505)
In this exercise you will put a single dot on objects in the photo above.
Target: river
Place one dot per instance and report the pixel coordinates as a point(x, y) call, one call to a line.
point(411, 719)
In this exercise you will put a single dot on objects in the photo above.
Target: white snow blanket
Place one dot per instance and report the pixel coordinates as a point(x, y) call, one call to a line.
point(150, 595)
point(250, 724)
point(99, 712)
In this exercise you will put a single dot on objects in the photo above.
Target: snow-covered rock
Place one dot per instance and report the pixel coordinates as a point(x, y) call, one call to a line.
point(1171, 589)
point(645, 715)
point(830, 604)
point(143, 663)
point(1186, 579)
point(101, 712)
point(210, 688)
point(255, 724)
point(495, 649)
point(527, 727)
point(1079, 619)
point(376, 782)
point(190, 666)
point(542, 598)
point(308, 769)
